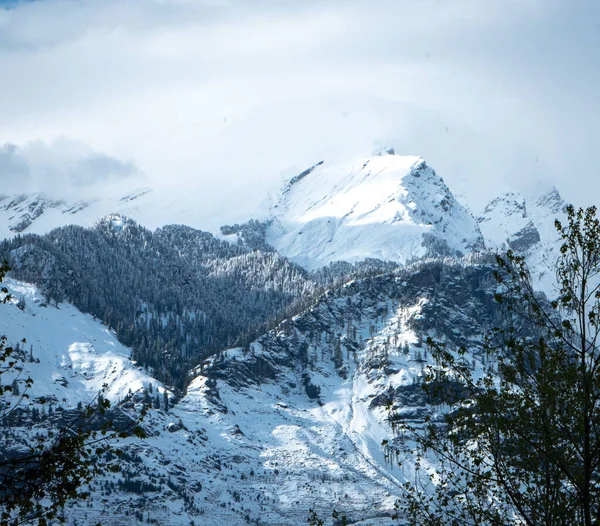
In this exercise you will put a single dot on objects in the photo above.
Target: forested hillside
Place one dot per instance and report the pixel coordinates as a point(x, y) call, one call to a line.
point(175, 295)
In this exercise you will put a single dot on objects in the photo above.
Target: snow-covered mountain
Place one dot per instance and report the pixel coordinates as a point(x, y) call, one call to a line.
point(526, 225)
point(388, 207)
point(152, 207)
point(294, 418)
point(321, 383)
point(38, 213)
point(293, 421)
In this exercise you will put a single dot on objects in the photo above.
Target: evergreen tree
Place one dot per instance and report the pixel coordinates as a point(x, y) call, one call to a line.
point(166, 401)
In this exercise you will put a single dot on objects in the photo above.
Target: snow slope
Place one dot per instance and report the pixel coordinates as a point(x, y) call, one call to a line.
point(387, 206)
point(69, 355)
point(266, 452)
point(297, 419)
point(37, 213)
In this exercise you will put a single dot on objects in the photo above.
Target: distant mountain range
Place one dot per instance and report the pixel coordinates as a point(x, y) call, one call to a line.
point(389, 207)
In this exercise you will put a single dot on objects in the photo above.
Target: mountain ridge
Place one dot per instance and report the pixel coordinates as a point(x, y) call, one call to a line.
point(389, 207)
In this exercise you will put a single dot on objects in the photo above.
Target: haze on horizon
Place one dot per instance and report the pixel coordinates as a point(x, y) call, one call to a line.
point(230, 97)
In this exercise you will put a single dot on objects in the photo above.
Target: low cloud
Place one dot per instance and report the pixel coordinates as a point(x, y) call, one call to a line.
point(62, 168)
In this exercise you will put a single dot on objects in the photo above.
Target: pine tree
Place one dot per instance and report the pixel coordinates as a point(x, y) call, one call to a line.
point(166, 401)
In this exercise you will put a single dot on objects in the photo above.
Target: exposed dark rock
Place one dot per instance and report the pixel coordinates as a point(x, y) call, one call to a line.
point(525, 238)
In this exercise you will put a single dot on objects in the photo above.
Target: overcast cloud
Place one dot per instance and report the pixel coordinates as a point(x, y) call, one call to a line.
point(495, 94)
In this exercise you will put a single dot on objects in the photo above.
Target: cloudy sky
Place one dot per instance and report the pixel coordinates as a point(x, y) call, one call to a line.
point(219, 96)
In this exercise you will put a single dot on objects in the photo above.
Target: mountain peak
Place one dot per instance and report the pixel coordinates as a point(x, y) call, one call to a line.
point(24, 209)
point(389, 207)
point(552, 200)
point(384, 150)
point(526, 225)
point(508, 204)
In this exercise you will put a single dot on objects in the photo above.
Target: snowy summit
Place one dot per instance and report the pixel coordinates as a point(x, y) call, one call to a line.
point(389, 207)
